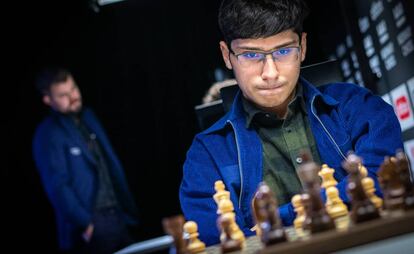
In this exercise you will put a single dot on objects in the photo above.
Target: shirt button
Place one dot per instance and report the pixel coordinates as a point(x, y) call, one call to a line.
point(299, 160)
point(267, 115)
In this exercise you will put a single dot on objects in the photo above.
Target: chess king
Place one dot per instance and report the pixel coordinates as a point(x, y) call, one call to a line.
point(275, 115)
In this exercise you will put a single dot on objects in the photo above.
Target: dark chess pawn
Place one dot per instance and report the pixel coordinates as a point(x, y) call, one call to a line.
point(174, 227)
point(392, 186)
point(228, 243)
point(362, 209)
point(317, 218)
point(267, 216)
point(405, 177)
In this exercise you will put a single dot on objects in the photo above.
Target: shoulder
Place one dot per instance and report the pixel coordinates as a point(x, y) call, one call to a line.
point(353, 98)
point(48, 129)
point(342, 89)
point(345, 93)
point(88, 113)
point(48, 124)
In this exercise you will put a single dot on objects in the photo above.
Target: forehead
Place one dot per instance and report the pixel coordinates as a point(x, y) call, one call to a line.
point(63, 87)
point(284, 38)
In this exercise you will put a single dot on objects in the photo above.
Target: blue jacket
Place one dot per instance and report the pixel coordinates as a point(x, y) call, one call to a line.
point(343, 117)
point(69, 175)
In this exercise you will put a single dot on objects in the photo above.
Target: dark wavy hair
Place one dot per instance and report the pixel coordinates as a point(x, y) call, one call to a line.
point(243, 19)
point(50, 76)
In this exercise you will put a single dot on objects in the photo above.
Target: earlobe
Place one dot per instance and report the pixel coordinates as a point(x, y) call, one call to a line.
point(225, 54)
point(46, 100)
point(303, 47)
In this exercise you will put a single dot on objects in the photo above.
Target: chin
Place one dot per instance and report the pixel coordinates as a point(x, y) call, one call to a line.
point(77, 109)
point(267, 105)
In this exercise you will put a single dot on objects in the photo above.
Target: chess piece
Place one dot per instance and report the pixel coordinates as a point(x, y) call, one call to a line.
point(174, 227)
point(300, 215)
point(362, 207)
point(337, 209)
point(256, 216)
point(227, 242)
point(327, 175)
point(306, 225)
point(225, 207)
point(369, 188)
point(392, 186)
point(221, 192)
point(405, 177)
point(267, 216)
point(362, 170)
point(194, 244)
point(317, 219)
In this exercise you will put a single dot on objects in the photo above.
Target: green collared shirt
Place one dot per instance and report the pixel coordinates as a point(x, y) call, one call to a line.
point(282, 141)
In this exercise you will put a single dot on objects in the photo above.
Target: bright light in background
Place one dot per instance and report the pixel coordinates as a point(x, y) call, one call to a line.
point(95, 4)
point(104, 2)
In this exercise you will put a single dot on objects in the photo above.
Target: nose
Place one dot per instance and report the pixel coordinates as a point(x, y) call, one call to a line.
point(269, 71)
point(73, 96)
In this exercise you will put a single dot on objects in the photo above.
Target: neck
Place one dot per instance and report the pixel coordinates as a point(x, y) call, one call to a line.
point(75, 116)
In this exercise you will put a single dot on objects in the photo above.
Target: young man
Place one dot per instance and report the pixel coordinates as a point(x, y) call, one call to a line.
point(276, 115)
point(81, 173)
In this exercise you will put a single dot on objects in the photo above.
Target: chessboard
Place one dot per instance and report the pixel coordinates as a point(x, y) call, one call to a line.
point(253, 245)
point(332, 241)
point(320, 226)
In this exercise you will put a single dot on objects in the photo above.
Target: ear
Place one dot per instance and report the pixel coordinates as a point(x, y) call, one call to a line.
point(303, 47)
point(225, 54)
point(46, 100)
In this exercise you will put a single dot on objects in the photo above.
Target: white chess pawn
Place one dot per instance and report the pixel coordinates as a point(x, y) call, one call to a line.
point(337, 209)
point(300, 215)
point(194, 244)
point(369, 189)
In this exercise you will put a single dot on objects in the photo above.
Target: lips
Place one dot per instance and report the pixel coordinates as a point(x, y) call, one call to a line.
point(270, 87)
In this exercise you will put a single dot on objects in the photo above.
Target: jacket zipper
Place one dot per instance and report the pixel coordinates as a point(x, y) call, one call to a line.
point(239, 156)
point(240, 165)
point(326, 130)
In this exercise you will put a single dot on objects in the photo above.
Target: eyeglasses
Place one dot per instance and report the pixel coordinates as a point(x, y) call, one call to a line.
point(286, 55)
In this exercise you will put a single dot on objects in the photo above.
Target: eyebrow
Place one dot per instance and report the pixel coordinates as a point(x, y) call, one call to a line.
point(283, 45)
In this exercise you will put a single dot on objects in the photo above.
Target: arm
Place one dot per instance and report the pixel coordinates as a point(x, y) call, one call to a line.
point(375, 133)
point(51, 161)
point(197, 190)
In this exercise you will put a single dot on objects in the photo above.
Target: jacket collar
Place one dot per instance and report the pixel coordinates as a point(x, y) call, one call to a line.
point(70, 127)
point(236, 115)
point(310, 92)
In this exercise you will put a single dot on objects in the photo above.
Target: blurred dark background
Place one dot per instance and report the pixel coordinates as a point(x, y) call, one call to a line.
point(142, 65)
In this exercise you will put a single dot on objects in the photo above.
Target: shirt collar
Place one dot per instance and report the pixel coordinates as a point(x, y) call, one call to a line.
point(263, 118)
